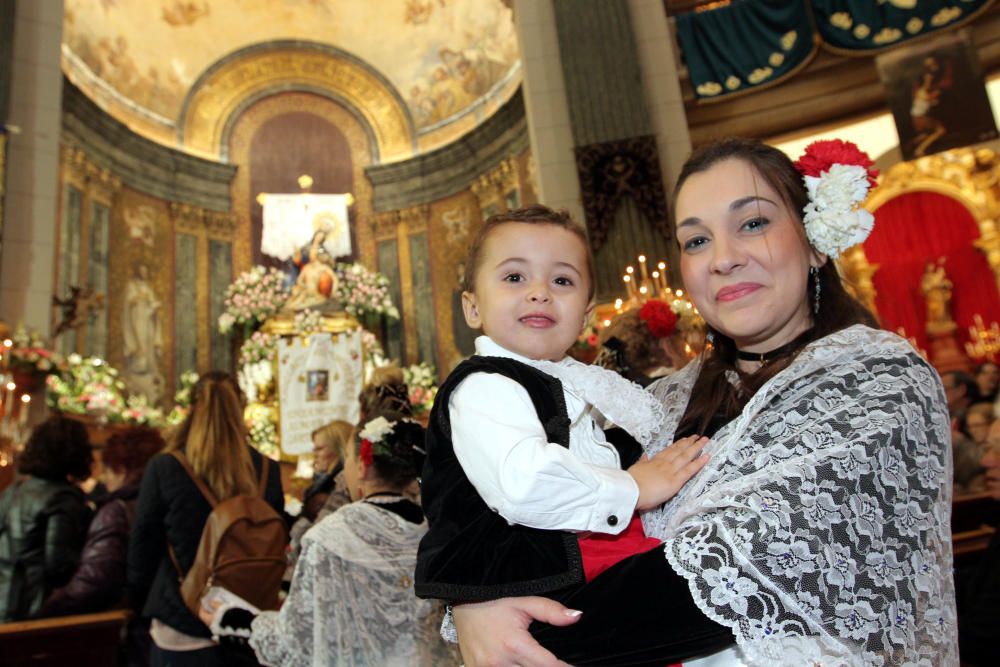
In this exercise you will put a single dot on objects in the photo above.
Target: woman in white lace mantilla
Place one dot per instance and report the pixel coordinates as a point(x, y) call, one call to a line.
point(818, 532)
point(351, 602)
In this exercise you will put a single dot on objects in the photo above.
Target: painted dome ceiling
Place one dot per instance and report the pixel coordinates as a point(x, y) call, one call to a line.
point(450, 62)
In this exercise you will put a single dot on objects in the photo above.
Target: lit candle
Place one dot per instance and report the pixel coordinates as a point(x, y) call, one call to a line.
point(642, 267)
point(629, 286)
point(25, 403)
point(618, 305)
point(8, 398)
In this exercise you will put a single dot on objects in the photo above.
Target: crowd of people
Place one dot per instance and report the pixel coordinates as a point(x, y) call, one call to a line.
point(784, 498)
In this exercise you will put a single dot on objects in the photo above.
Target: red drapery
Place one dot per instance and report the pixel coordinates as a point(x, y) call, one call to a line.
point(917, 228)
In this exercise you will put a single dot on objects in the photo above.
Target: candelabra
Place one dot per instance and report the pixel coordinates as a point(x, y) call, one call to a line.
point(985, 342)
point(14, 418)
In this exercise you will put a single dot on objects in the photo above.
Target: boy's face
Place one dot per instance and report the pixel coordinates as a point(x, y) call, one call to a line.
point(531, 293)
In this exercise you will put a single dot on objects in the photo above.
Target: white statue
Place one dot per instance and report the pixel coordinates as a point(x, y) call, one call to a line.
point(141, 328)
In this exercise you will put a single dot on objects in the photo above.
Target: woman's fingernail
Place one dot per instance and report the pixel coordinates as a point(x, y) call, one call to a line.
point(573, 613)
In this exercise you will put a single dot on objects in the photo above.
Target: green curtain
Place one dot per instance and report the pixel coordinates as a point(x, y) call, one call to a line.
point(751, 43)
point(745, 44)
point(863, 25)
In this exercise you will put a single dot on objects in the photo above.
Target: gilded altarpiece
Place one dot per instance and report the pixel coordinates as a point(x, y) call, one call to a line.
point(3, 180)
point(969, 176)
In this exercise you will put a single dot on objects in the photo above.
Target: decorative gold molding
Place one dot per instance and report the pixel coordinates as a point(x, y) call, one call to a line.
point(857, 273)
point(222, 93)
point(384, 225)
point(415, 217)
point(493, 186)
point(971, 177)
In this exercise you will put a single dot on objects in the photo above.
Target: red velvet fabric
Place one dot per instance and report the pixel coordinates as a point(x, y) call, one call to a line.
point(912, 230)
point(600, 551)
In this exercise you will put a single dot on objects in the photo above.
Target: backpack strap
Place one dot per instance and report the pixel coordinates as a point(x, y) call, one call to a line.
point(205, 491)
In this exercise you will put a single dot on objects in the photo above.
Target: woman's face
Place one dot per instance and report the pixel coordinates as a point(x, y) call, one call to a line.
point(324, 454)
point(744, 256)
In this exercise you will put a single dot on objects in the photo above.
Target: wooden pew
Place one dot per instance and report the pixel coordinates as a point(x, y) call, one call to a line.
point(93, 640)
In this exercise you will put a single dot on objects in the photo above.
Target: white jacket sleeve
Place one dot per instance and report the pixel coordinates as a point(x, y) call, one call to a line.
point(504, 452)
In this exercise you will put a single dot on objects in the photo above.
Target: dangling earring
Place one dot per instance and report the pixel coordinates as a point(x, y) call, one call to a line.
point(814, 273)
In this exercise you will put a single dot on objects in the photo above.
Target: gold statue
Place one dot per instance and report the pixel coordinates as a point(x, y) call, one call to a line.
point(937, 291)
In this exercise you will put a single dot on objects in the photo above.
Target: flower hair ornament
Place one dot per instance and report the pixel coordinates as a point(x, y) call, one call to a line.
point(838, 176)
point(375, 441)
point(660, 318)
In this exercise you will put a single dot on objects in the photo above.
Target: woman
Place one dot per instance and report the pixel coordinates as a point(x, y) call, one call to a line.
point(43, 517)
point(818, 531)
point(351, 600)
point(171, 513)
point(99, 581)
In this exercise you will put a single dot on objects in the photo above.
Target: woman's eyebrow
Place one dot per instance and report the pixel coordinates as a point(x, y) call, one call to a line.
point(735, 205)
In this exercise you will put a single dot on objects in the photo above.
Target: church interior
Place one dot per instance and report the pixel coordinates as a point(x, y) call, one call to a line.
point(287, 190)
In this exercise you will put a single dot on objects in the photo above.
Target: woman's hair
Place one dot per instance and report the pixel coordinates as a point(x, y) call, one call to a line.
point(640, 348)
point(385, 391)
point(399, 456)
point(335, 434)
point(837, 310)
point(536, 214)
point(57, 448)
point(130, 450)
point(214, 437)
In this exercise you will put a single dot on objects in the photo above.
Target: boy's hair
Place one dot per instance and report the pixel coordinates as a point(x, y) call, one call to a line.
point(536, 214)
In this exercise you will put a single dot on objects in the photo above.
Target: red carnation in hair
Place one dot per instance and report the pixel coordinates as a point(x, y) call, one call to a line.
point(821, 155)
point(366, 453)
point(660, 319)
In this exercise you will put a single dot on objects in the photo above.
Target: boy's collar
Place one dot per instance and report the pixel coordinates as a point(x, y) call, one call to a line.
point(487, 347)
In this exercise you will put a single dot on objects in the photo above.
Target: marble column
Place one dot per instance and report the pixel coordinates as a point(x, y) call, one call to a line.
point(32, 182)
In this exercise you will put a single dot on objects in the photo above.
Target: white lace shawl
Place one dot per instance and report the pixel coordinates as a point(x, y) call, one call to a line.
point(819, 530)
point(351, 602)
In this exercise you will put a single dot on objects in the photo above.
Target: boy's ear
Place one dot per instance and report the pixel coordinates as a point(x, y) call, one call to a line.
point(471, 310)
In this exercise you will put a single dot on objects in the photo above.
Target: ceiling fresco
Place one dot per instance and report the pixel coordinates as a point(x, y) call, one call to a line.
point(448, 59)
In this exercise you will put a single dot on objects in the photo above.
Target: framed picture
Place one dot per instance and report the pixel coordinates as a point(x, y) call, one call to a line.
point(937, 96)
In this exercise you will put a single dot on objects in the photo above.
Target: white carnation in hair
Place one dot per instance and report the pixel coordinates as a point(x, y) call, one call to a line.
point(377, 429)
point(833, 218)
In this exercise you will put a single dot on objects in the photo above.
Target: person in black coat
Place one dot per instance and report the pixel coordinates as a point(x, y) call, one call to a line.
point(43, 518)
point(171, 513)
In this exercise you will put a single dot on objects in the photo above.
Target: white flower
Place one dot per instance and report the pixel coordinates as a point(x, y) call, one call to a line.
point(833, 218)
point(376, 429)
point(226, 322)
point(75, 359)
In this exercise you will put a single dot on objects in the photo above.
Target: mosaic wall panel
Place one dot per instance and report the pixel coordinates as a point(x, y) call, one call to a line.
point(220, 274)
point(69, 253)
point(388, 264)
point(423, 298)
point(95, 343)
point(185, 304)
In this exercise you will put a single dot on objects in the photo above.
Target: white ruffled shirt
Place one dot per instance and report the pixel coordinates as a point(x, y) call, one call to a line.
point(505, 453)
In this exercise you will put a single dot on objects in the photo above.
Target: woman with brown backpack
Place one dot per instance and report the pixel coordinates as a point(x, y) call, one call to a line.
point(199, 520)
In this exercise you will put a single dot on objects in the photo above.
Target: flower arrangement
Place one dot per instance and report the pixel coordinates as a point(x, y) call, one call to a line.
point(363, 292)
point(659, 317)
point(838, 176)
point(262, 431)
point(182, 397)
point(421, 380)
point(253, 297)
point(137, 410)
point(30, 355)
point(307, 320)
point(258, 347)
point(88, 387)
point(371, 439)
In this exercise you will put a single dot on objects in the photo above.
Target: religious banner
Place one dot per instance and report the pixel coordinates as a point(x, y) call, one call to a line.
point(319, 379)
point(296, 225)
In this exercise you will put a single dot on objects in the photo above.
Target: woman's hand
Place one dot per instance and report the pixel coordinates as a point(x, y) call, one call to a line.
point(495, 633)
point(660, 478)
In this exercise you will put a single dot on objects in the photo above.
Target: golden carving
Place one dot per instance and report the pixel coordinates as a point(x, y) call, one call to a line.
point(221, 94)
point(857, 273)
point(415, 217)
point(384, 225)
point(971, 177)
point(492, 187)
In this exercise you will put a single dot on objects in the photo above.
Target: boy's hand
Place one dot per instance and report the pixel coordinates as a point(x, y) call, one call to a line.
point(661, 477)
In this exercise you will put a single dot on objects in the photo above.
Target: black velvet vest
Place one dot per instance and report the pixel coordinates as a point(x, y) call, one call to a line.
point(471, 553)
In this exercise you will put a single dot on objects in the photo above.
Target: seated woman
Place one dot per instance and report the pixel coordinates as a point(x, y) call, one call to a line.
point(43, 518)
point(99, 581)
point(351, 600)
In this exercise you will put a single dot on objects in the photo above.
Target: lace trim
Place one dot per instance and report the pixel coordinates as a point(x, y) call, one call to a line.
point(623, 402)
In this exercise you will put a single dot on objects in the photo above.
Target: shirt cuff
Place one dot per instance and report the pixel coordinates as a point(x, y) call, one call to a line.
point(616, 499)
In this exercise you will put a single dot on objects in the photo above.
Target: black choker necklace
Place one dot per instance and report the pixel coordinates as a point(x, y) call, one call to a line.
point(764, 358)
